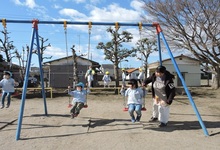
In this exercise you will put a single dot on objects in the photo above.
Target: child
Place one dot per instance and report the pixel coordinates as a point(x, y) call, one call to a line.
point(123, 76)
point(140, 76)
point(106, 78)
point(89, 76)
point(7, 84)
point(134, 95)
point(79, 99)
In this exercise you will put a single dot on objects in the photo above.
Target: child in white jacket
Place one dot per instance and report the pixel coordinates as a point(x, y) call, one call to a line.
point(107, 79)
point(7, 84)
point(134, 96)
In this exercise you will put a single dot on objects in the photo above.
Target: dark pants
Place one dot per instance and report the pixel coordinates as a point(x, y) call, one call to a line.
point(77, 106)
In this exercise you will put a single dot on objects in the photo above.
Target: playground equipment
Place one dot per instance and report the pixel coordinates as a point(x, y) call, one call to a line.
point(35, 23)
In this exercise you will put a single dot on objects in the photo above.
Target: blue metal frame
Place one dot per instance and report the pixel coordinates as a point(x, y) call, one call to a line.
point(35, 32)
point(184, 85)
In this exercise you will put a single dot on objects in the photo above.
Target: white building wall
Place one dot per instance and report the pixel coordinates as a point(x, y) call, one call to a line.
point(190, 69)
point(191, 79)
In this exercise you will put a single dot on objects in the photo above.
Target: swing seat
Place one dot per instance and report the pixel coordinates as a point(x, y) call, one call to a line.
point(125, 109)
point(143, 109)
point(70, 105)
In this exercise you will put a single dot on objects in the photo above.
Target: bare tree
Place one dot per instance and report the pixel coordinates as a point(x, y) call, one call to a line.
point(192, 26)
point(75, 75)
point(114, 50)
point(43, 47)
point(7, 46)
point(145, 47)
point(22, 60)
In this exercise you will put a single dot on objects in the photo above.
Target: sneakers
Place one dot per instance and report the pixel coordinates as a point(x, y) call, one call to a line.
point(72, 115)
point(2, 107)
point(162, 124)
point(132, 119)
point(152, 119)
point(7, 106)
point(138, 118)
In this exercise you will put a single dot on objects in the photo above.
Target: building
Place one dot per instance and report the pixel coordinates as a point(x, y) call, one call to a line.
point(59, 73)
point(189, 67)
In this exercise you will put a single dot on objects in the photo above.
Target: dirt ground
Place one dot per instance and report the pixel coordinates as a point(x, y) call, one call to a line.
point(105, 126)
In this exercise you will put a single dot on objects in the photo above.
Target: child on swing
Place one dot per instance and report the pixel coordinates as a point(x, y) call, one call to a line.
point(134, 96)
point(79, 99)
point(7, 84)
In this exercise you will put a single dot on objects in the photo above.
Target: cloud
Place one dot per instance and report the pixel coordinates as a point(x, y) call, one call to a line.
point(56, 6)
point(29, 3)
point(137, 5)
point(72, 13)
point(79, 1)
point(113, 12)
point(55, 52)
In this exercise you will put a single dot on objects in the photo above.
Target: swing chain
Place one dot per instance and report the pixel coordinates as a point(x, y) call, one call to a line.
point(4, 23)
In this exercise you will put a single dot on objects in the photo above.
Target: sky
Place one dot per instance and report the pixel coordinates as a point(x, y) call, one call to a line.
point(128, 11)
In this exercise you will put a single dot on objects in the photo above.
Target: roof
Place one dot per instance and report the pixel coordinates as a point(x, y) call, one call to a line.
point(180, 56)
point(131, 70)
point(93, 62)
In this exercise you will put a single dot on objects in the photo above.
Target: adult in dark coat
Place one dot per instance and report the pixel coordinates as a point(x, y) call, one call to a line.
point(163, 93)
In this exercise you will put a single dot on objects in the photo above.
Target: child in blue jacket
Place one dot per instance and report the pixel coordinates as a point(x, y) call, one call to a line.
point(79, 99)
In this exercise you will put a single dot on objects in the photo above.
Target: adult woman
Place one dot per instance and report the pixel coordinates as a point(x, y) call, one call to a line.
point(163, 93)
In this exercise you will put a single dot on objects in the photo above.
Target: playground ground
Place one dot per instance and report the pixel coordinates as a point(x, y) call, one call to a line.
point(104, 125)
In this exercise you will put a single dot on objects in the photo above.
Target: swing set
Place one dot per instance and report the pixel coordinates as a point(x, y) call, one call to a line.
point(66, 43)
point(35, 36)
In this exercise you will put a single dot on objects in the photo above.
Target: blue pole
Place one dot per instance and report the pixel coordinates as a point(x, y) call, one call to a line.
point(20, 117)
point(185, 87)
point(80, 23)
point(41, 72)
point(159, 48)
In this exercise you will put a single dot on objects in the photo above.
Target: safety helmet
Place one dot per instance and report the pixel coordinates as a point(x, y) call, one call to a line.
point(107, 72)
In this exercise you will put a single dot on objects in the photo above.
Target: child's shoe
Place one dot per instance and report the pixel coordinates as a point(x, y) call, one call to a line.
point(138, 118)
point(132, 119)
point(72, 116)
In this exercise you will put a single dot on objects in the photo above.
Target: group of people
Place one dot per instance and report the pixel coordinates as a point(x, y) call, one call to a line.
point(162, 87)
point(140, 77)
point(163, 93)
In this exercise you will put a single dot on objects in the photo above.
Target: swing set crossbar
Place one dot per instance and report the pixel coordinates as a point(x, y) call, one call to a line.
point(79, 23)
